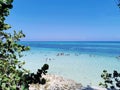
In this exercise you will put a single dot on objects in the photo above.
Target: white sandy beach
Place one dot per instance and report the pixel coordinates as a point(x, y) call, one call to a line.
point(55, 82)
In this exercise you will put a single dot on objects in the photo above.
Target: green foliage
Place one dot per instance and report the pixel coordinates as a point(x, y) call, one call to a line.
point(111, 81)
point(12, 75)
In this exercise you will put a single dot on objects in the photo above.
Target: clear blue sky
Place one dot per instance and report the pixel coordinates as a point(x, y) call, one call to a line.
point(66, 20)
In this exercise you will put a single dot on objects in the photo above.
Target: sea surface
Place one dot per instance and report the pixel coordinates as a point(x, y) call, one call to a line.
point(82, 61)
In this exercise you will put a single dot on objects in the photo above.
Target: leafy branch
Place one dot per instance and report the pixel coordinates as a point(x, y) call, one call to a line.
point(111, 80)
point(12, 74)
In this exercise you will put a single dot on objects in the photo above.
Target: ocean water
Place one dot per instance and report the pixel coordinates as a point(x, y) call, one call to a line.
point(81, 61)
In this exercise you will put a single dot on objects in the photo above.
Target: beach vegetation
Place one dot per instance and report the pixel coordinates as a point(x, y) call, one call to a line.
point(12, 74)
point(111, 80)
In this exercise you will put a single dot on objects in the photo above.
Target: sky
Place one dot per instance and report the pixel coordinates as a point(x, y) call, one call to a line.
point(66, 20)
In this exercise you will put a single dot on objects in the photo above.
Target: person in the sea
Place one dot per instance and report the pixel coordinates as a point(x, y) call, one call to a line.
point(60, 54)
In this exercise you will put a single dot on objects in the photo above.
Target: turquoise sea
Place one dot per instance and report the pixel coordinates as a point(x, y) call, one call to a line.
point(82, 61)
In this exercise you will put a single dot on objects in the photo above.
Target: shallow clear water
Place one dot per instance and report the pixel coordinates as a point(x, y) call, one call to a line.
point(82, 61)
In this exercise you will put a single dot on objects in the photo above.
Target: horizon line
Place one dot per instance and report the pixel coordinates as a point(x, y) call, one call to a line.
point(74, 40)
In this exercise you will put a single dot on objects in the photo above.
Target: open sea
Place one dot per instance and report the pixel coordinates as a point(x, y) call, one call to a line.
point(82, 61)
